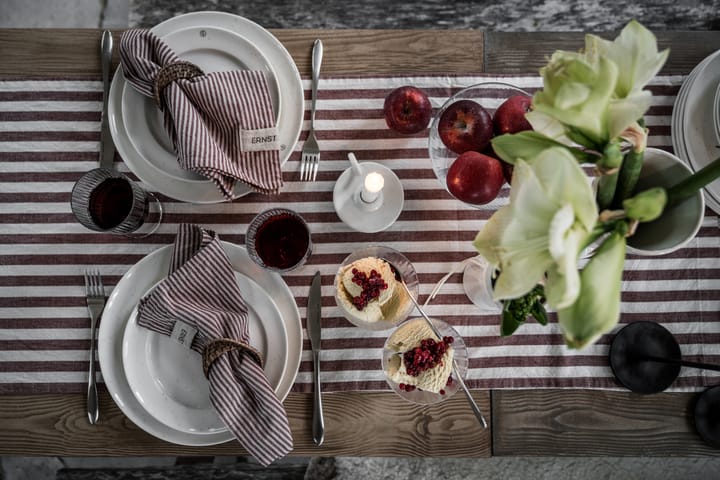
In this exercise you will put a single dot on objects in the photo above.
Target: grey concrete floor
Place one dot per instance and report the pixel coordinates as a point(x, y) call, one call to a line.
point(537, 14)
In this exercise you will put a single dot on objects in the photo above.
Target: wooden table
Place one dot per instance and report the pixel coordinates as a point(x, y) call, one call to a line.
point(522, 422)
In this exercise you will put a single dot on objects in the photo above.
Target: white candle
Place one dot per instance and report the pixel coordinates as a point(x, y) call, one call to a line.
point(372, 186)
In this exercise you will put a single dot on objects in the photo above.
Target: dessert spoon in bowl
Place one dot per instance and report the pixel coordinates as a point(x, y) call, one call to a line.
point(461, 381)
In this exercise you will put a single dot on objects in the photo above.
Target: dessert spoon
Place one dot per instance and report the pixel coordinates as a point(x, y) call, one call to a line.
point(468, 395)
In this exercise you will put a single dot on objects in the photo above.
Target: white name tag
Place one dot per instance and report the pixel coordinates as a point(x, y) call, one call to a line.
point(260, 140)
point(183, 333)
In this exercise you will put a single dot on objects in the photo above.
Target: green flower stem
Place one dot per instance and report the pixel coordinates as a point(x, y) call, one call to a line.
point(609, 166)
point(693, 183)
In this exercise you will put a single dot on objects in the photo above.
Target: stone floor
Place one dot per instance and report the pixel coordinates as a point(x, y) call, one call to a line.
point(555, 15)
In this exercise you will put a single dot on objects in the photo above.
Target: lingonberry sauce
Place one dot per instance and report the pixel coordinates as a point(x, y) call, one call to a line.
point(282, 241)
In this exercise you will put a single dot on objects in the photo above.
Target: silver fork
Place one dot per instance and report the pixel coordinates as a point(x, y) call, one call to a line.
point(95, 296)
point(310, 159)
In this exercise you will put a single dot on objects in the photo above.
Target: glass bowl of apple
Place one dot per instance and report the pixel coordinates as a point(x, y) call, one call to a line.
point(460, 134)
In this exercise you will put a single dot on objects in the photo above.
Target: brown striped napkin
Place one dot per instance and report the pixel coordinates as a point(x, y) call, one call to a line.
point(201, 292)
point(221, 125)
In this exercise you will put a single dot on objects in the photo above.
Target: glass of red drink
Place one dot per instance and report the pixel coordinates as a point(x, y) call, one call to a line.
point(105, 200)
point(278, 239)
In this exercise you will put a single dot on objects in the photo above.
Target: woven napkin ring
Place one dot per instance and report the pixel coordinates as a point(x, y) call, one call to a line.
point(220, 346)
point(170, 73)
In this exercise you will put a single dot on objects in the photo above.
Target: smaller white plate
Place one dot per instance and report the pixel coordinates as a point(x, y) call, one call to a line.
point(167, 378)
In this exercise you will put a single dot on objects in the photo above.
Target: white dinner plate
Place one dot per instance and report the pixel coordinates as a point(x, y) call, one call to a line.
point(693, 141)
point(213, 50)
point(167, 378)
point(194, 189)
point(125, 296)
point(698, 126)
point(716, 113)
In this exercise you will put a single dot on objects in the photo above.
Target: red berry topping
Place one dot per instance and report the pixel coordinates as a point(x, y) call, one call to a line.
point(371, 286)
point(426, 356)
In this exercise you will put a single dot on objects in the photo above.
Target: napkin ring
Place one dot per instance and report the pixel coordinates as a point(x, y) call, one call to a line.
point(170, 73)
point(220, 346)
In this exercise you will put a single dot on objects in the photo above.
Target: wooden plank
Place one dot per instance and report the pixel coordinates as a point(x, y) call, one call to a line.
point(388, 51)
point(372, 424)
point(526, 52)
point(594, 423)
point(38, 53)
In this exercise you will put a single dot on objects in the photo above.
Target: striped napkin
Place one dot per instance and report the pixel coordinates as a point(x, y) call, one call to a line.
point(201, 295)
point(222, 125)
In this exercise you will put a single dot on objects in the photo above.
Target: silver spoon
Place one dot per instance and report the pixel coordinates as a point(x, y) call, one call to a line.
point(471, 400)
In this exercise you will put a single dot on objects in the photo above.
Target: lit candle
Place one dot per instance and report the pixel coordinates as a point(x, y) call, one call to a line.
point(372, 186)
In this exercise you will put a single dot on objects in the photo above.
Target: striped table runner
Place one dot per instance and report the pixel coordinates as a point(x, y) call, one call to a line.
point(49, 134)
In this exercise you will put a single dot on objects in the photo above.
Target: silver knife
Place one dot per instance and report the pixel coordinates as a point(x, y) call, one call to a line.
point(313, 329)
point(107, 147)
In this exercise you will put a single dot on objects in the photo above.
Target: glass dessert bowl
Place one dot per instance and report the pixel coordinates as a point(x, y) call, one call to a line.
point(368, 292)
point(470, 125)
point(418, 364)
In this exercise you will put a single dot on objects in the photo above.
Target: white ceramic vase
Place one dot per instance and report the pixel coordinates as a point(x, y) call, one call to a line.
point(679, 224)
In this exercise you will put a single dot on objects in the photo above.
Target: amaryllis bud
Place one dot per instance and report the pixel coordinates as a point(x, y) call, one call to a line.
point(646, 206)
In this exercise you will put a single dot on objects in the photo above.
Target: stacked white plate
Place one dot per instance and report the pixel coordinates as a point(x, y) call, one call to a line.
point(159, 384)
point(695, 127)
point(214, 41)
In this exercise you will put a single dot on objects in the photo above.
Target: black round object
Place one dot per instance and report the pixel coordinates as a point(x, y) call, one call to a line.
point(707, 416)
point(630, 357)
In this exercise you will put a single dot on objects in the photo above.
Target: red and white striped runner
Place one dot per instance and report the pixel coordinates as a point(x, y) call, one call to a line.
point(49, 134)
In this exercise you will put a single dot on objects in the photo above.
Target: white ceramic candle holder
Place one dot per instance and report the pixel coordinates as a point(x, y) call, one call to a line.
point(368, 196)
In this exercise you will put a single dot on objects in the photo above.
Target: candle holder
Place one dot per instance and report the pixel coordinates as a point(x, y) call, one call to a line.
point(368, 196)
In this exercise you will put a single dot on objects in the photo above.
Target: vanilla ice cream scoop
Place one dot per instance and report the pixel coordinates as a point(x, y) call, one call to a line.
point(409, 337)
point(368, 291)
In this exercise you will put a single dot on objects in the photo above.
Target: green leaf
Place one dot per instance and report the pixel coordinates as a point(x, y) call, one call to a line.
point(597, 308)
point(509, 322)
point(529, 144)
point(538, 312)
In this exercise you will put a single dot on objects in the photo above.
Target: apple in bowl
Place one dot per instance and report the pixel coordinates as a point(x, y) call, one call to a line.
point(475, 178)
point(465, 126)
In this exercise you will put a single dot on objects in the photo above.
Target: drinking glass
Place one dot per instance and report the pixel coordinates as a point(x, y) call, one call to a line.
point(279, 240)
point(105, 200)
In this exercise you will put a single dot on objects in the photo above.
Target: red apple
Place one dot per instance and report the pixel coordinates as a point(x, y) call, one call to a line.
point(475, 178)
point(507, 168)
point(510, 115)
point(465, 125)
point(407, 110)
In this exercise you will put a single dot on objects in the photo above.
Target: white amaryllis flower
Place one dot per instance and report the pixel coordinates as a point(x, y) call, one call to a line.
point(596, 94)
point(538, 236)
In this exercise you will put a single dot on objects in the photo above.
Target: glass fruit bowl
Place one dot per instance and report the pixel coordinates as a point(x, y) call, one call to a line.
point(490, 95)
point(414, 334)
point(383, 307)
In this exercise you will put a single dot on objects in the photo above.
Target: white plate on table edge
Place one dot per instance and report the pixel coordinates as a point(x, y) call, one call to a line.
point(677, 129)
point(168, 380)
point(213, 50)
point(698, 131)
point(716, 113)
point(138, 279)
point(291, 110)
